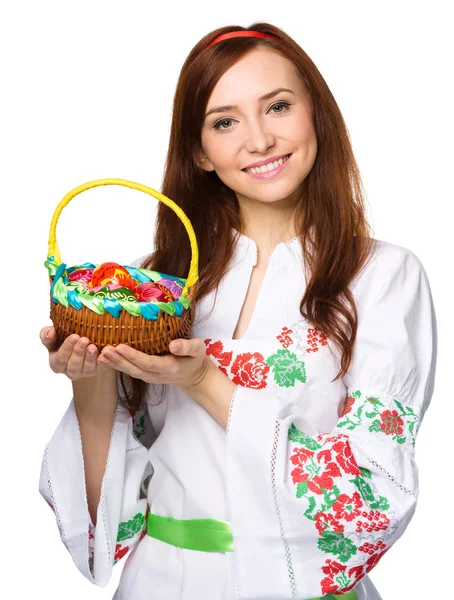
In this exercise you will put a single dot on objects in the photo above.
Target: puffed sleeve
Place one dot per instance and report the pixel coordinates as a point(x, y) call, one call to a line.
point(313, 512)
point(122, 509)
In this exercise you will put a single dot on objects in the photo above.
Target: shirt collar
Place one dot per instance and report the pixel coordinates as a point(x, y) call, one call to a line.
point(282, 252)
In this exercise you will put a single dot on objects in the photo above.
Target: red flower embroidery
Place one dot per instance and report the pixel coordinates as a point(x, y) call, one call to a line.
point(307, 471)
point(357, 573)
point(373, 560)
point(314, 339)
point(347, 507)
point(250, 370)
point(391, 423)
point(338, 580)
point(341, 452)
point(325, 521)
point(374, 520)
point(120, 551)
point(284, 338)
point(348, 405)
point(371, 548)
point(216, 349)
point(344, 456)
point(331, 569)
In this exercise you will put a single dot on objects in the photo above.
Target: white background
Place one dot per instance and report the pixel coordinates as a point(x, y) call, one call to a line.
point(87, 90)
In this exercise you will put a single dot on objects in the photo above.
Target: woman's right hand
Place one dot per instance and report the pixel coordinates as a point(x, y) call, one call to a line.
point(73, 357)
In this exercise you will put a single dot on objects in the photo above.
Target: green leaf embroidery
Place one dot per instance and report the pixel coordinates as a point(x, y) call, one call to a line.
point(347, 424)
point(366, 472)
point(295, 435)
point(301, 488)
point(337, 544)
point(139, 427)
point(286, 368)
point(330, 498)
point(375, 426)
point(364, 488)
point(382, 504)
point(308, 512)
point(128, 529)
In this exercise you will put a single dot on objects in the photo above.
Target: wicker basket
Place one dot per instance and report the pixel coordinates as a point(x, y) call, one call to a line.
point(145, 326)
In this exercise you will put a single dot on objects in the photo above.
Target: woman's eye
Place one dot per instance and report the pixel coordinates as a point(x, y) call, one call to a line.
point(286, 105)
point(216, 125)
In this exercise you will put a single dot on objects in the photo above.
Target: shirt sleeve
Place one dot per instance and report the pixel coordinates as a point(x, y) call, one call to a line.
point(122, 509)
point(313, 512)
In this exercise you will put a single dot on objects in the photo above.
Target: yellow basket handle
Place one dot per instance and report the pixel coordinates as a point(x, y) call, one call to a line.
point(54, 251)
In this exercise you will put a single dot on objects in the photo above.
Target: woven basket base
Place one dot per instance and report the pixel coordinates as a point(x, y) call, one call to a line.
point(150, 337)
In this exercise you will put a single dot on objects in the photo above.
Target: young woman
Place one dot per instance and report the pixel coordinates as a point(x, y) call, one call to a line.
point(280, 464)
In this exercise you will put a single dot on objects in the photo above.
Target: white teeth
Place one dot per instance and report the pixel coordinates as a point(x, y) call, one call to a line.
point(268, 167)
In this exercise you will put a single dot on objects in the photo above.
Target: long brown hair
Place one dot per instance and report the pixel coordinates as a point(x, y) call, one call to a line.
point(335, 236)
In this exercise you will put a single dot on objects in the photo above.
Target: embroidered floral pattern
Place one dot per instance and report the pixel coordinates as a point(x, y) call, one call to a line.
point(287, 368)
point(307, 339)
point(284, 337)
point(315, 339)
point(340, 577)
point(350, 521)
point(251, 369)
point(216, 349)
point(138, 419)
point(127, 531)
point(91, 548)
point(397, 422)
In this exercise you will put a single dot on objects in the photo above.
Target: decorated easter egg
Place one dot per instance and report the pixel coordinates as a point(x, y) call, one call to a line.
point(131, 283)
point(174, 286)
point(81, 275)
point(110, 273)
point(121, 293)
point(153, 292)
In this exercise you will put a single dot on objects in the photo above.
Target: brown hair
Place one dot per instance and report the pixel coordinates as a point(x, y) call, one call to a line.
point(334, 207)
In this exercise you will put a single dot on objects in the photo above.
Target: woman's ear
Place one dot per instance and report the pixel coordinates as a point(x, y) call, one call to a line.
point(204, 163)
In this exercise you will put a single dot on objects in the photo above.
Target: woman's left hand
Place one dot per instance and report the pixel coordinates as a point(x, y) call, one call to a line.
point(186, 367)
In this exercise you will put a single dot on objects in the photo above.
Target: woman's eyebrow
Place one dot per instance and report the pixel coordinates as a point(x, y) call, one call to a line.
point(267, 96)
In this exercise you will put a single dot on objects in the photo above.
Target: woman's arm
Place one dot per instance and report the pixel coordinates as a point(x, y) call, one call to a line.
point(313, 511)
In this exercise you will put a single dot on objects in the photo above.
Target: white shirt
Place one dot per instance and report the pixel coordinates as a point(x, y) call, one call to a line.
point(314, 496)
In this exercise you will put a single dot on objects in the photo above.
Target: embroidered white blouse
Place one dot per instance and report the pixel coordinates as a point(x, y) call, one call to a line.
point(317, 477)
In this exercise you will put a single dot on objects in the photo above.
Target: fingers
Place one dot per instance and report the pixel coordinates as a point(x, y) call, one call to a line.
point(193, 347)
point(124, 355)
point(131, 362)
point(75, 356)
point(48, 337)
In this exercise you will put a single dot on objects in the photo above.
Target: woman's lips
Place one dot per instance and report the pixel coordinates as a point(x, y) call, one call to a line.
point(270, 174)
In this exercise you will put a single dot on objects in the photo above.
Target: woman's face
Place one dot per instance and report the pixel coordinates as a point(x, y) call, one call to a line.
point(254, 130)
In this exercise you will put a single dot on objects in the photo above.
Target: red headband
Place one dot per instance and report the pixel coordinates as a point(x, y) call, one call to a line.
point(243, 33)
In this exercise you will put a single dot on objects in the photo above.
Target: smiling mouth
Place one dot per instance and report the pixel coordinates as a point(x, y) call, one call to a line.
point(286, 157)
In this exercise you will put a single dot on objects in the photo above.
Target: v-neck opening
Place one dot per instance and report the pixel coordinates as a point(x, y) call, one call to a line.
point(272, 263)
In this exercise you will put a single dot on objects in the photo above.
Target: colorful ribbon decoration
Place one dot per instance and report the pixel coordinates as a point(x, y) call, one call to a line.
point(207, 535)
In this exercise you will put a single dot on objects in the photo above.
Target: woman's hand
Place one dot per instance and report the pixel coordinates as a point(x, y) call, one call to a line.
point(186, 367)
point(73, 357)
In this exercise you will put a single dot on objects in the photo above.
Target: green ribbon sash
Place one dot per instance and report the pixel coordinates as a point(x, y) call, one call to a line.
point(207, 535)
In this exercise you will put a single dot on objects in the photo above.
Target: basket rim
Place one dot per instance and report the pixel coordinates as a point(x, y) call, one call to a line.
point(66, 295)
